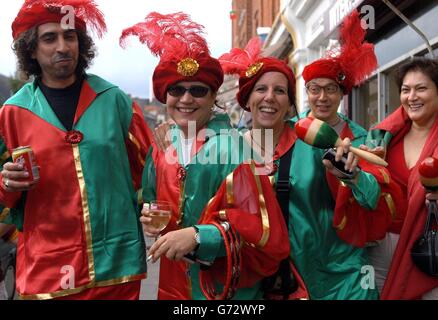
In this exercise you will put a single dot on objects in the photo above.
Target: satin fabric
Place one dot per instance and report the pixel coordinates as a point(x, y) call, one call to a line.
point(330, 267)
point(205, 181)
point(82, 215)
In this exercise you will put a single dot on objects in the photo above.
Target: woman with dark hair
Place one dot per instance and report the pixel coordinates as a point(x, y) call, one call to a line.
point(411, 135)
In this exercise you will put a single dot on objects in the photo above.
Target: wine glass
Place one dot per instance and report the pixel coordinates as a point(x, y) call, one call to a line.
point(160, 213)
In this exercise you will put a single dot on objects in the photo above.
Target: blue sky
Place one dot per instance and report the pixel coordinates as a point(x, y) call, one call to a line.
point(132, 68)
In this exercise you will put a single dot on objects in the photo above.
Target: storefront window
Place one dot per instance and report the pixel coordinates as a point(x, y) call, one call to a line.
point(367, 104)
point(392, 94)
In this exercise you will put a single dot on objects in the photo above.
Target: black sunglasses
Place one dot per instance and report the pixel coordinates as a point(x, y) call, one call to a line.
point(195, 91)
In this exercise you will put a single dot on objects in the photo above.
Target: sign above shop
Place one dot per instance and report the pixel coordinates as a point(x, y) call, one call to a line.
point(334, 16)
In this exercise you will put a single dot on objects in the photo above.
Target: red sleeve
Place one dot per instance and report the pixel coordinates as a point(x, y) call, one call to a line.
point(357, 225)
point(137, 144)
point(248, 203)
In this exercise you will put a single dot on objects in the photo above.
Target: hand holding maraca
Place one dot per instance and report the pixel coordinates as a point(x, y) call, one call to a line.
point(320, 135)
point(428, 171)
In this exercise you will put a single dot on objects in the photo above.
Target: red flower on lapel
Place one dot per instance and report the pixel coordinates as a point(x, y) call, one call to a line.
point(74, 137)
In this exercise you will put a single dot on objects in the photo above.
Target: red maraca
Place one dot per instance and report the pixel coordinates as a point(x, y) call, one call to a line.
point(319, 134)
point(428, 170)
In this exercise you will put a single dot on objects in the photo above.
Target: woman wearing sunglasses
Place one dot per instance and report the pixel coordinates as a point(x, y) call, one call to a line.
point(325, 211)
point(219, 216)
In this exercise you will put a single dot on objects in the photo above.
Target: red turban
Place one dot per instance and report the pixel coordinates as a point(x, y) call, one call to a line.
point(250, 66)
point(183, 52)
point(37, 12)
point(270, 64)
point(353, 64)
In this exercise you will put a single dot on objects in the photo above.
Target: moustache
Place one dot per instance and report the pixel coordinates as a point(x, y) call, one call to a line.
point(63, 57)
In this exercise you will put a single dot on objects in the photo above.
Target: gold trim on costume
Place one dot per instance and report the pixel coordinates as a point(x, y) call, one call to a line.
point(181, 201)
point(390, 203)
point(4, 214)
point(137, 144)
point(263, 210)
point(86, 212)
point(386, 178)
point(140, 197)
point(68, 292)
point(5, 156)
point(230, 194)
point(342, 225)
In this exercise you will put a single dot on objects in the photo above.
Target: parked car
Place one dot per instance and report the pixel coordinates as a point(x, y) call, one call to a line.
point(8, 253)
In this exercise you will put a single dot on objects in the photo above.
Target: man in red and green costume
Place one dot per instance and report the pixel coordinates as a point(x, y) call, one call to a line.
point(218, 203)
point(80, 237)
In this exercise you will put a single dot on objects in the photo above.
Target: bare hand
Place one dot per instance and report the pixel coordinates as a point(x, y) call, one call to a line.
point(13, 175)
point(162, 136)
point(432, 195)
point(148, 229)
point(174, 245)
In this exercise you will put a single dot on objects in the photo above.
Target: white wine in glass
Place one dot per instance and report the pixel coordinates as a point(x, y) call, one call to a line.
point(160, 213)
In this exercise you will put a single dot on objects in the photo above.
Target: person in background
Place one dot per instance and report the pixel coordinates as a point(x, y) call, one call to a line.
point(410, 135)
point(80, 237)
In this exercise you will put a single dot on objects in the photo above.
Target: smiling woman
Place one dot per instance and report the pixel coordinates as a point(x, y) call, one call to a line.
point(411, 134)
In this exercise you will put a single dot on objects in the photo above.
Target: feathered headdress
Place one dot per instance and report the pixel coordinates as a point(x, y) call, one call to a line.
point(183, 51)
point(352, 63)
point(250, 65)
point(37, 12)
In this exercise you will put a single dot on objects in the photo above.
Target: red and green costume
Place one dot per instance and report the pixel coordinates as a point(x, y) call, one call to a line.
point(324, 233)
point(82, 216)
point(216, 186)
point(405, 280)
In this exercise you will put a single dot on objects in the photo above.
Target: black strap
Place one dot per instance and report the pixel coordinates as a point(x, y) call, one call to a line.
point(282, 186)
point(288, 283)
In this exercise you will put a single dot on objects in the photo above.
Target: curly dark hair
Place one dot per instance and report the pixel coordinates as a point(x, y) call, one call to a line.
point(27, 43)
point(425, 65)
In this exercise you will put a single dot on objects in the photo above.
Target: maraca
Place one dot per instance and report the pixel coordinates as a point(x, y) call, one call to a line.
point(319, 134)
point(428, 170)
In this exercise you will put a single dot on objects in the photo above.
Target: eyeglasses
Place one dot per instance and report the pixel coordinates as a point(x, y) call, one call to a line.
point(195, 91)
point(315, 89)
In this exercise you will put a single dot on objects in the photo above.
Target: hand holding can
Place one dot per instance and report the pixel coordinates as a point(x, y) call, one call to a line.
point(23, 174)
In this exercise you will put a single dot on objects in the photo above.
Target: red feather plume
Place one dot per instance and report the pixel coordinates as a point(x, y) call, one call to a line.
point(357, 58)
point(86, 10)
point(170, 36)
point(237, 61)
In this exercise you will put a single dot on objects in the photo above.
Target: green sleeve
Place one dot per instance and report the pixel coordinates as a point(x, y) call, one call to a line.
point(14, 215)
point(211, 243)
point(149, 181)
point(366, 190)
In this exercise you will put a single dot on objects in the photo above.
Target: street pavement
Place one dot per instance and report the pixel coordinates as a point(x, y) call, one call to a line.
point(149, 286)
